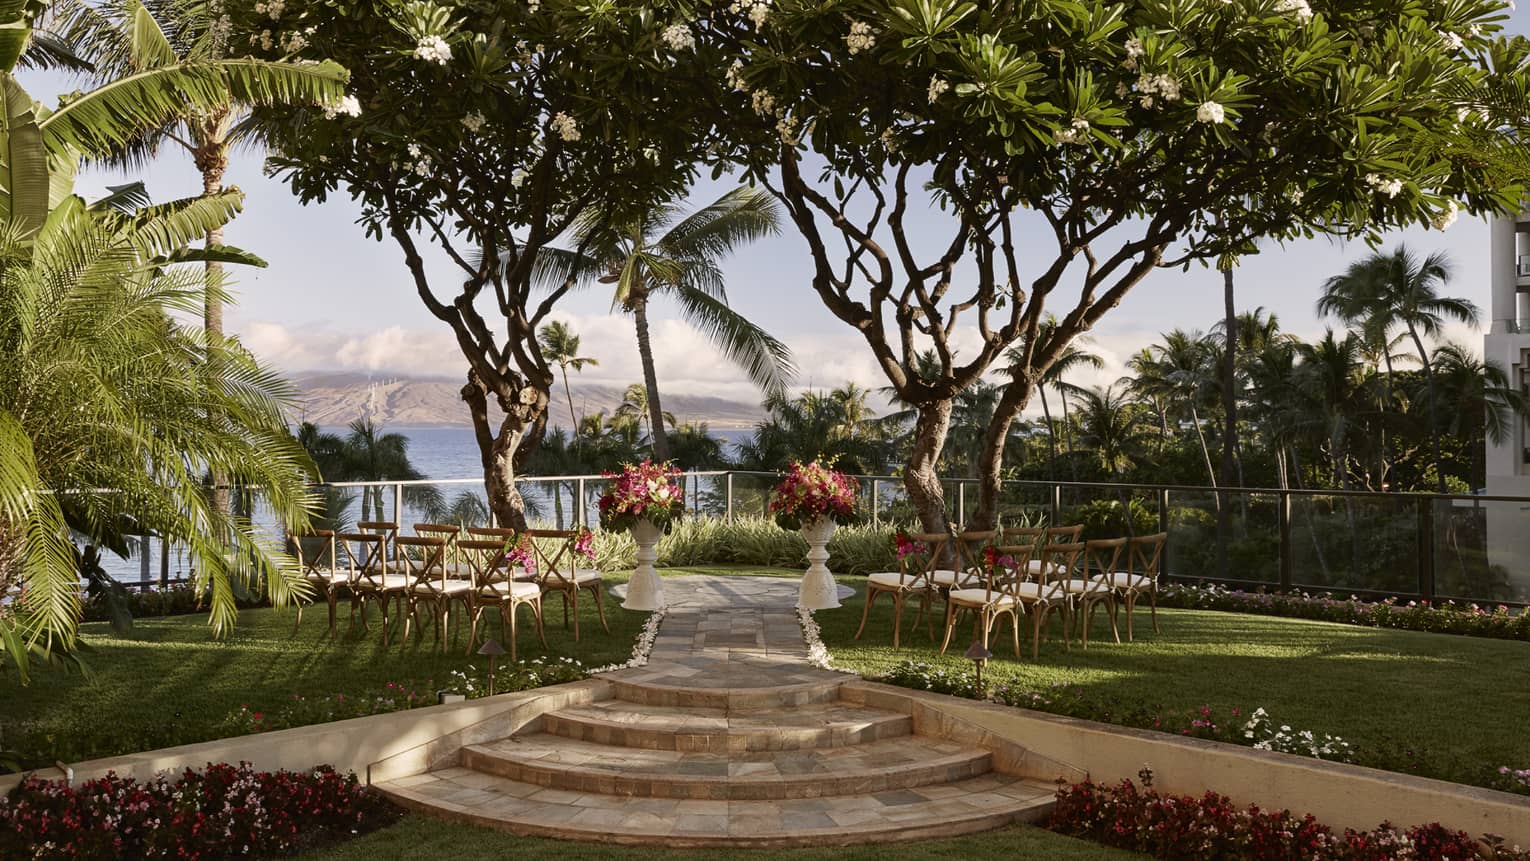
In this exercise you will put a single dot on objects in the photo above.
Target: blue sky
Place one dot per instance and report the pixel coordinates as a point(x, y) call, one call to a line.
point(334, 300)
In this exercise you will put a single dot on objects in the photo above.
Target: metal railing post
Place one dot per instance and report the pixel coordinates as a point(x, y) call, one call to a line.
point(728, 508)
point(961, 503)
point(579, 510)
point(1163, 526)
point(1426, 547)
point(1056, 516)
point(1287, 549)
point(876, 499)
point(398, 512)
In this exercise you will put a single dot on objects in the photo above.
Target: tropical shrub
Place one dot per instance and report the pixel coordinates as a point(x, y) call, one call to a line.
point(1187, 828)
point(223, 811)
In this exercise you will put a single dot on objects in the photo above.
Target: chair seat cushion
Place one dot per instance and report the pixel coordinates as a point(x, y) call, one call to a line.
point(1125, 580)
point(585, 575)
point(450, 587)
point(327, 577)
point(945, 578)
point(896, 580)
point(504, 590)
point(1034, 591)
point(979, 597)
point(389, 583)
point(1078, 587)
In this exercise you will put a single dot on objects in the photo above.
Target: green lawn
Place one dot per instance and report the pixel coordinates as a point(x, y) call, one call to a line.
point(415, 834)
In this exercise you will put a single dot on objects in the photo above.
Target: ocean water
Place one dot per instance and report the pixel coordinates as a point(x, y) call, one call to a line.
point(438, 453)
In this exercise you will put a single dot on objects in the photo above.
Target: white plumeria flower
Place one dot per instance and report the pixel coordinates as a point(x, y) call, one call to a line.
point(1300, 8)
point(938, 86)
point(518, 178)
point(1384, 185)
point(678, 37)
point(347, 106)
point(474, 121)
point(1075, 132)
point(1443, 219)
point(565, 126)
point(1210, 112)
point(764, 103)
point(1452, 41)
point(735, 77)
point(860, 39)
point(433, 49)
point(533, 5)
point(1134, 54)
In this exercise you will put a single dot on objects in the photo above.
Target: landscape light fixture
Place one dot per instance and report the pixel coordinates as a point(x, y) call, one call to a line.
point(978, 654)
point(491, 648)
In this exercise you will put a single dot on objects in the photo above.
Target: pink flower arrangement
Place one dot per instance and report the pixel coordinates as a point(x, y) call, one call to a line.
point(642, 491)
point(806, 493)
point(522, 553)
point(905, 546)
point(584, 546)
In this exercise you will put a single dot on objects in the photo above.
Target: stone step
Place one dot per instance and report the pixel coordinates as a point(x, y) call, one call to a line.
point(734, 692)
point(947, 810)
point(815, 725)
point(580, 766)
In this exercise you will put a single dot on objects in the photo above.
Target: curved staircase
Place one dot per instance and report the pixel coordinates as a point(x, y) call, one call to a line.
point(726, 738)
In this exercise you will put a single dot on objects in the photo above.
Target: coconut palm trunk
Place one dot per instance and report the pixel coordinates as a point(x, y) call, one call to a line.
point(639, 304)
point(1068, 434)
point(1434, 423)
point(1046, 413)
point(211, 158)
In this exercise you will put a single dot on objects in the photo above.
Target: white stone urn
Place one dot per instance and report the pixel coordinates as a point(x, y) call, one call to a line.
point(818, 590)
point(645, 591)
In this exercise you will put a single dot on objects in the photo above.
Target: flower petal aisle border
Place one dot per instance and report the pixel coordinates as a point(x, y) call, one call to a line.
point(818, 653)
point(642, 648)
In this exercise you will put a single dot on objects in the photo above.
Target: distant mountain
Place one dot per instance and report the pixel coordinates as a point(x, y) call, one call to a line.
point(338, 398)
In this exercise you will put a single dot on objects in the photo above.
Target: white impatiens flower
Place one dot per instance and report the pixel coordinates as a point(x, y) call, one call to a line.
point(565, 126)
point(1210, 112)
point(1384, 185)
point(1133, 54)
point(735, 77)
point(859, 38)
point(1074, 132)
point(347, 106)
point(474, 121)
point(1452, 41)
point(433, 49)
point(1443, 219)
point(937, 87)
point(678, 37)
point(518, 178)
point(1300, 8)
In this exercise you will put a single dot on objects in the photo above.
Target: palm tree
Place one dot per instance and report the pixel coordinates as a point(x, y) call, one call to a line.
point(1334, 384)
point(1481, 400)
point(561, 346)
point(1385, 291)
point(694, 447)
point(1187, 372)
point(1109, 427)
point(633, 415)
point(667, 252)
point(372, 455)
point(1072, 358)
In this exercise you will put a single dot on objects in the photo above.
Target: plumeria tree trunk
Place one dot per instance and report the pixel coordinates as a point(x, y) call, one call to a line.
point(920, 478)
point(991, 459)
point(656, 430)
point(504, 452)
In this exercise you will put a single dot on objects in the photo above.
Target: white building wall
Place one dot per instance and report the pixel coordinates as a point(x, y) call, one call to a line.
point(1508, 346)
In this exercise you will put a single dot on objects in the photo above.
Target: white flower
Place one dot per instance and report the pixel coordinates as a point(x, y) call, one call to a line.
point(860, 38)
point(1210, 112)
point(1075, 132)
point(1443, 219)
point(565, 126)
point(1300, 8)
point(518, 178)
point(786, 128)
point(294, 42)
point(735, 77)
point(414, 150)
point(347, 106)
point(758, 11)
point(764, 103)
point(1452, 41)
point(1295, 195)
point(433, 49)
point(474, 121)
point(1165, 87)
point(1133, 54)
point(1384, 185)
point(678, 37)
point(272, 9)
point(889, 139)
point(423, 167)
point(533, 5)
point(938, 86)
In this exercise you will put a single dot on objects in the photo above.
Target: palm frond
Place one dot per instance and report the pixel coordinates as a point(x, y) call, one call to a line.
point(764, 359)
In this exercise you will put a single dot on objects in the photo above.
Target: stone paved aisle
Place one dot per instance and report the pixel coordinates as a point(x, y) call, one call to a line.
point(728, 737)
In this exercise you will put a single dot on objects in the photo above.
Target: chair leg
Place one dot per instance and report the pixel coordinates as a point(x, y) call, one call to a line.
point(897, 618)
point(575, 593)
point(1130, 599)
point(950, 623)
point(871, 597)
point(473, 619)
point(1085, 617)
point(510, 611)
point(1014, 629)
point(1153, 603)
point(1038, 614)
point(334, 600)
point(600, 606)
point(1110, 604)
point(536, 608)
point(299, 623)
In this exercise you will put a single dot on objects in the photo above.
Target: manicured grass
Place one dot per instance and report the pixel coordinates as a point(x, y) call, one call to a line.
point(1454, 697)
point(169, 682)
point(415, 834)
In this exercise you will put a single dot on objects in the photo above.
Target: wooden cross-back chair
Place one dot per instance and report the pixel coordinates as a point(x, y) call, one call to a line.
point(1088, 593)
point(372, 575)
point(558, 571)
point(998, 596)
point(1046, 594)
point(449, 533)
point(319, 560)
point(423, 559)
point(1139, 576)
point(495, 586)
point(908, 581)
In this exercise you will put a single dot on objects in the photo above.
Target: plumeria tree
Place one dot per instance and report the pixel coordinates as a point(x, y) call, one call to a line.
point(486, 129)
point(1077, 147)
